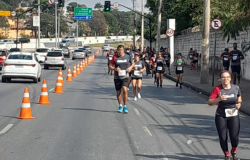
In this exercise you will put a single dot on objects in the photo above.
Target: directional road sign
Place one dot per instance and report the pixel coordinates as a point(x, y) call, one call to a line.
point(170, 32)
point(83, 13)
point(216, 24)
point(4, 13)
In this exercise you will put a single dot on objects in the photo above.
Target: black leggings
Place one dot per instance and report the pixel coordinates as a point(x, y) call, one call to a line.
point(232, 124)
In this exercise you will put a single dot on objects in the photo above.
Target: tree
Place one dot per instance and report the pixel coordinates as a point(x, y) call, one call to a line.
point(112, 22)
point(21, 13)
point(98, 6)
point(72, 5)
point(98, 25)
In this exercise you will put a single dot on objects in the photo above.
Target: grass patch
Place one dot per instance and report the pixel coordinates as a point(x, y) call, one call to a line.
point(115, 45)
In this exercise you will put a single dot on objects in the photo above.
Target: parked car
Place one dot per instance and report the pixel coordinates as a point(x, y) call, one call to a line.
point(15, 50)
point(70, 38)
point(78, 53)
point(64, 43)
point(3, 56)
point(107, 47)
point(21, 65)
point(41, 53)
point(88, 48)
point(55, 59)
point(24, 40)
point(65, 51)
point(7, 41)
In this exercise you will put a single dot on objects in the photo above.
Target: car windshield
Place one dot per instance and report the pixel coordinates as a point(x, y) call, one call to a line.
point(66, 37)
point(15, 50)
point(86, 47)
point(2, 53)
point(54, 54)
point(82, 48)
point(20, 56)
point(64, 41)
point(42, 50)
point(78, 50)
point(57, 50)
point(5, 40)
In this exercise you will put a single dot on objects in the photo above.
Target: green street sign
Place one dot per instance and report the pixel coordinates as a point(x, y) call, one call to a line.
point(83, 12)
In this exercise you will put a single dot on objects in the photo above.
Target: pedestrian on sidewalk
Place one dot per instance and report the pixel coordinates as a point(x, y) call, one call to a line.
point(167, 58)
point(195, 60)
point(179, 63)
point(235, 56)
point(228, 98)
point(225, 59)
point(190, 57)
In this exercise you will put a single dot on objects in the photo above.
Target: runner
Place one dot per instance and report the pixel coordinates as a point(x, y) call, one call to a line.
point(167, 58)
point(147, 63)
point(228, 98)
point(191, 58)
point(179, 63)
point(109, 56)
point(235, 56)
point(160, 62)
point(137, 76)
point(195, 60)
point(122, 65)
point(153, 65)
point(225, 59)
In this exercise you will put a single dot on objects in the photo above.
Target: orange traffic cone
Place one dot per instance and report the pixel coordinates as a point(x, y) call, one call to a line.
point(60, 77)
point(58, 88)
point(74, 72)
point(78, 69)
point(81, 67)
point(89, 61)
point(25, 112)
point(69, 76)
point(83, 63)
point(44, 98)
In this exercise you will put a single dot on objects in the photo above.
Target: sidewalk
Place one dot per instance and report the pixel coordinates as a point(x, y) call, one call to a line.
point(191, 79)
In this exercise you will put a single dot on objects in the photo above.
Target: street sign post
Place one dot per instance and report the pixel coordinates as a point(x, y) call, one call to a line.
point(115, 5)
point(170, 32)
point(83, 13)
point(13, 13)
point(5, 13)
point(216, 24)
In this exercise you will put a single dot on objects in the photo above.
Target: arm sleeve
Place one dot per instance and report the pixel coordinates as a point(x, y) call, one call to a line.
point(215, 93)
point(222, 54)
point(239, 92)
point(230, 54)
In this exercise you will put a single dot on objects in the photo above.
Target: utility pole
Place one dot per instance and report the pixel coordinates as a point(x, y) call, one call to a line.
point(56, 2)
point(159, 27)
point(77, 28)
point(59, 20)
point(39, 27)
point(134, 8)
point(204, 75)
point(142, 25)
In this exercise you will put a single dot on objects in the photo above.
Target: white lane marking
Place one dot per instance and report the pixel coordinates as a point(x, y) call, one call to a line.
point(6, 128)
point(164, 155)
point(136, 111)
point(51, 89)
point(146, 130)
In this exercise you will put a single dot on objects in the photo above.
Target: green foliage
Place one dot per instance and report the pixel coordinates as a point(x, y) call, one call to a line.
point(72, 5)
point(112, 22)
point(21, 13)
point(98, 25)
point(98, 6)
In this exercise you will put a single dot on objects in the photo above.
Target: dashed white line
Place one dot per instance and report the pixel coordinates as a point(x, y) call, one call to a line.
point(136, 111)
point(6, 128)
point(51, 89)
point(146, 130)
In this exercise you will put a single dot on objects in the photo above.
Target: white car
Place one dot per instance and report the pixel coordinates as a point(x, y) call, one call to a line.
point(21, 65)
point(107, 47)
point(41, 53)
point(55, 59)
point(70, 39)
point(78, 53)
point(7, 41)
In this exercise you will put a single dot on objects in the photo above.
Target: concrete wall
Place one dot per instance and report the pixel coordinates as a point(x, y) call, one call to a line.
point(194, 40)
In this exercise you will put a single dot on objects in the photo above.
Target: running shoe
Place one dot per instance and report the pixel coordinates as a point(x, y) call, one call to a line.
point(235, 157)
point(135, 99)
point(125, 109)
point(120, 109)
point(176, 84)
point(169, 73)
point(130, 84)
point(227, 158)
point(161, 86)
point(157, 84)
point(139, 95)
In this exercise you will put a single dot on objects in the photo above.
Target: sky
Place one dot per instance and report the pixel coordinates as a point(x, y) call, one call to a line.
point(91, 3)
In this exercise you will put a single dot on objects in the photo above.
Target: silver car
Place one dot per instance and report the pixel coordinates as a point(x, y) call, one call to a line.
point(78, 53)
point(70, 38)
point(55, 59)
point(88, 48)
point(41, 53)
point(64, 43)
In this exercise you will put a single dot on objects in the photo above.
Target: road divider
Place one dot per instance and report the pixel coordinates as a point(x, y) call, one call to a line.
point(74, 72)
point(25, 112)
point(78, 69)
point(60, 77)
point(69, 76)
point(59, 87)
point(44, 96)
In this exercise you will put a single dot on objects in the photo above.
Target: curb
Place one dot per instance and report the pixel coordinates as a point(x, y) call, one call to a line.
point(242, 109)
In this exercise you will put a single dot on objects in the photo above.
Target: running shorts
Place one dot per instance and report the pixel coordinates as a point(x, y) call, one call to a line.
point(119, 83)
point(236, 69)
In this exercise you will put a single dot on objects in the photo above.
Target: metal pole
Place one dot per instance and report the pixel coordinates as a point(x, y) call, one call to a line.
point(56, 24)
point(214, 56)
point(59, 20)
point(134, 1)
point(142, 26)
point(16, 31)
point(159, 27)
point(77, 28)
point(39, 23)
point(150, 32)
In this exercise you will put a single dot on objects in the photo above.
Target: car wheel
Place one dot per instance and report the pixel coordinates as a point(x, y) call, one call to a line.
point(8, 79)
point(3, 80)
point(73, 58)
point(35, 80)
point(46, 67)
point(64, 67)
point(39, 79)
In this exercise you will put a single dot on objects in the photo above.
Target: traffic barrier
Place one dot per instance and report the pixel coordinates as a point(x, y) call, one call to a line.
point(25, 112)
point(83, 63)
point(60, 77)
point(81, 67)
point(58, 88)
point(78, 69)
point(74, 72)
point(69, 76)
point(44, 96)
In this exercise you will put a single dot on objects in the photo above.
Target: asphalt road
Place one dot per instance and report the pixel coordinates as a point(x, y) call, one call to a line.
point(83, 123)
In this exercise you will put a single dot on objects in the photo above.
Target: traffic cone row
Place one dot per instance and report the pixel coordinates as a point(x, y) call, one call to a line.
point(25, 112)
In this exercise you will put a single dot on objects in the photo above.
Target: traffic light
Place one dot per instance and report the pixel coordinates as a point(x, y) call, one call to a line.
point(61, 3)
point(107, 6)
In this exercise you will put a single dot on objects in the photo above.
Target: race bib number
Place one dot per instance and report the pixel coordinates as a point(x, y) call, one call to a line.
point(190, 56)
point(195, 58)
point(159, 68)
point(147, 61)
point(153, 59)
point(225, 59)
point(122, 73)
point(235, 57)
point(231, 112)
point(110, 58)
point(137, 73)
point(179, 68)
